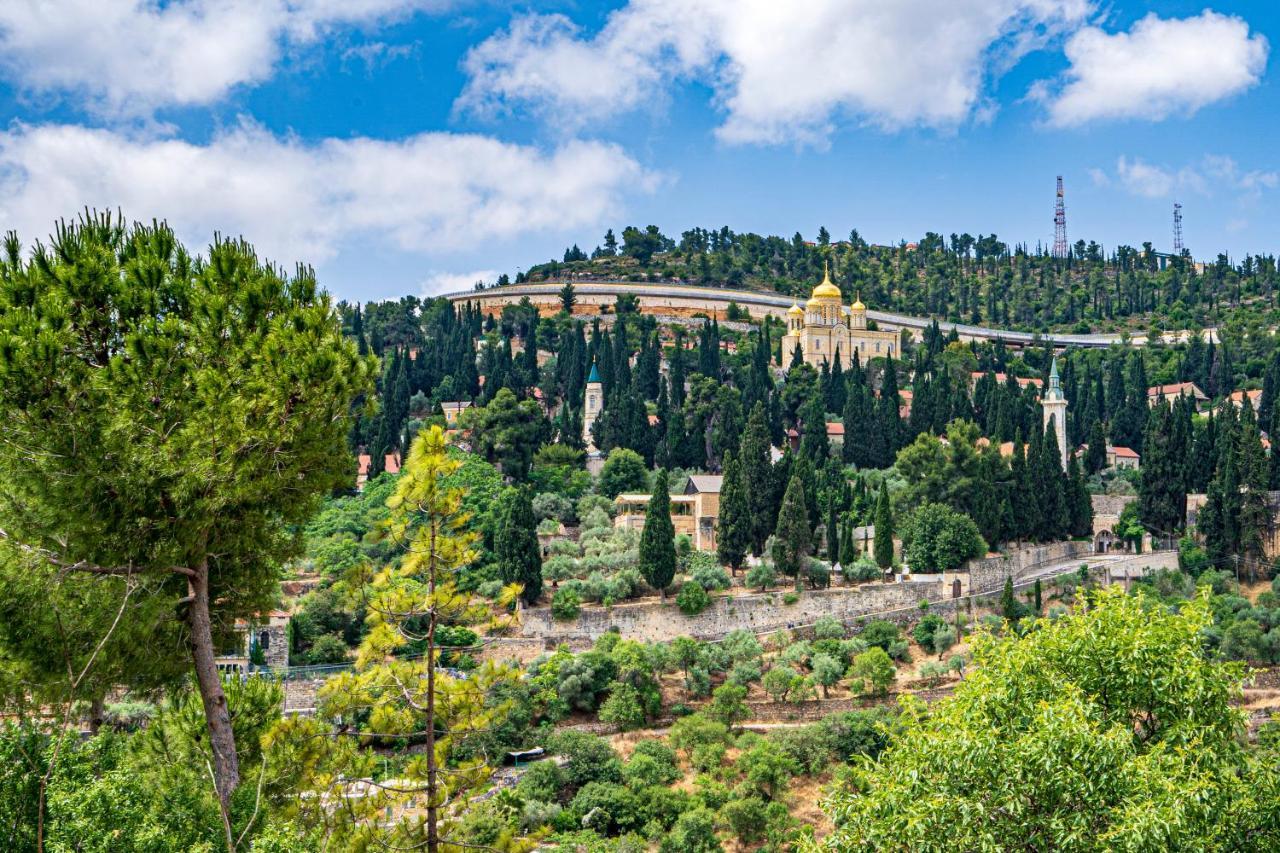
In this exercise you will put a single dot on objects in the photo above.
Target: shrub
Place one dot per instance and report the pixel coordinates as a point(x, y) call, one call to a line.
point(745, 673)
point(925, 628)
point(746, 818)
point(563, 548)
point(623, 707)
point(790, 598)
point(490, 589)
point(694, 832)
point(588, 758)
point(327, 649)
point(828, 628)
point(566, 605)
point(796, 654)
point(817, 573)
point(706, 757)
point(711, 576)
point(880, 633)
point(943, 639)
point(559, 568)
point(662, 754)
point(543, 781)
point(780, 681)
point(695, 730)
point(608, 808)
point(761, 577)
point(550, 506)
point(932, 672)
point(861, 569)
point(692, 599)
point(645, 770)
point(548, 527)
point(875, 670)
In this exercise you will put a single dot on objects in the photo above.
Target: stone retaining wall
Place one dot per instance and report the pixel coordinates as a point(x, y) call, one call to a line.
point(990, 572)
point(765, 613)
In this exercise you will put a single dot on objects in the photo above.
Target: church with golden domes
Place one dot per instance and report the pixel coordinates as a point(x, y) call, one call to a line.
point(826, 326)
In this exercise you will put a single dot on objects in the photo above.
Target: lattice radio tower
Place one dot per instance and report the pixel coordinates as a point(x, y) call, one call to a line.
point(1059, 224)
point(1177, 228)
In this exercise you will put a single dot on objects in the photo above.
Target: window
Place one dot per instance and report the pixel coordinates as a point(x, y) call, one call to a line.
point(264, 640)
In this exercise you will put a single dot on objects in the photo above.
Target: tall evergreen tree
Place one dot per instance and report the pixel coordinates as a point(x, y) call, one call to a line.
point(1161, 494)
point(884, 529)
point(658, 538)
point(814, 445)
point(756, 477)
point(793, 537)
point(733, 538)
point(516, 547)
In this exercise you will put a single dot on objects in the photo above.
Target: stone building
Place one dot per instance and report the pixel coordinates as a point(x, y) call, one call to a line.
point(694, 512)
point(826, 328)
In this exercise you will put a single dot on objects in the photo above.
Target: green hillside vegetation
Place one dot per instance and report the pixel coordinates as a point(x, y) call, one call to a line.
point(979, 280)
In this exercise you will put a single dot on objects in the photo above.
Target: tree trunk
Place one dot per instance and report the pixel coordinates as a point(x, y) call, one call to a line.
point(96, 713)
point(222, 741)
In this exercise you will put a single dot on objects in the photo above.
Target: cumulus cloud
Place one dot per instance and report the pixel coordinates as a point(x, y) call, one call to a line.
point(779, 75)
point(441, 281)
point(133, 56)
point(1213, 173)
point(1160, 68)
point(305, 201)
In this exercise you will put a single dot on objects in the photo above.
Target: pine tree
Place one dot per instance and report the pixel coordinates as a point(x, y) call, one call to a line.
point(733, 538)
point(658, 538)
point(516, 547)
point(884, 529)
point(793, 534)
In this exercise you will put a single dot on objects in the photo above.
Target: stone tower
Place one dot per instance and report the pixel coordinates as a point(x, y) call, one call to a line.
point(1055, 412)
point(591, 408)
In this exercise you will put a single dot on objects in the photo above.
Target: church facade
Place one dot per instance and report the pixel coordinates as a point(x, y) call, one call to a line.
point(826, 328)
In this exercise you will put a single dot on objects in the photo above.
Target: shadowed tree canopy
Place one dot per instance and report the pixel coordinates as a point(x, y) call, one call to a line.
point(169, 418)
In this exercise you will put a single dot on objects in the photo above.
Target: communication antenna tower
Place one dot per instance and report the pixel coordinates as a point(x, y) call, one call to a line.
point(1059, 224)
point(1177, 228)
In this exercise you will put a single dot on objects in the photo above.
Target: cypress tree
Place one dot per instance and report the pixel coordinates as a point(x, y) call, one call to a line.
point(733, 539)
point(1096, 457)
point(884, 529)
point(1079, 503)
point(1055, 518)
point(756, 470)
point(813, 443)
point(1008, 604)
point(1038, 600)
point(833, 534)
point(657, 539)
point(516, 544)
point(793, 534)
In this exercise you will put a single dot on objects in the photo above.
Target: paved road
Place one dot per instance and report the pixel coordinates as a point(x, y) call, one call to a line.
point(708, 298)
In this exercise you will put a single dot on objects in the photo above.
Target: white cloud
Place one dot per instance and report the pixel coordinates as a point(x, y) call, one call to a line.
point(1142, 178)
point(778, 73)
point(131, 57)
point(1158, 69)
point(1251, 183)
point(302, 201)
point(441, 281)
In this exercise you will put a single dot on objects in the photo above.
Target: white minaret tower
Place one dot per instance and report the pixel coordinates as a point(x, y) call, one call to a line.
point(1055, 412)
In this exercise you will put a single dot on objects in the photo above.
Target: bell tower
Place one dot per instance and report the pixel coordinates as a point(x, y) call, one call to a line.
point(1055, 412)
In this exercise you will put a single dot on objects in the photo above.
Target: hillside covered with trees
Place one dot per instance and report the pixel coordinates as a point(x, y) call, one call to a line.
point(980, 280)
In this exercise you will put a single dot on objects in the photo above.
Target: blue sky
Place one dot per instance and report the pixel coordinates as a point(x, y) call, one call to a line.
point(412, 146)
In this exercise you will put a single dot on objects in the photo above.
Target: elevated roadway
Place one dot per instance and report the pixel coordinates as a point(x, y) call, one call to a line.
point(687, 298)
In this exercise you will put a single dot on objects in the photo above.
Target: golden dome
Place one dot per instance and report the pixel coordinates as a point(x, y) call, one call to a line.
point(826, 290)
point(857, 305)
point(795, 309)
point(814, 301)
